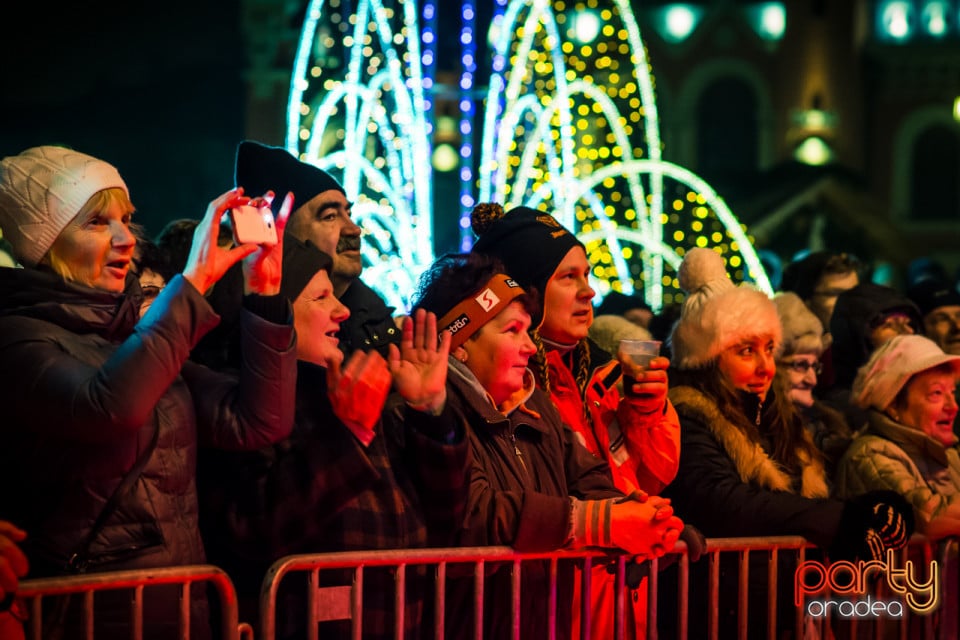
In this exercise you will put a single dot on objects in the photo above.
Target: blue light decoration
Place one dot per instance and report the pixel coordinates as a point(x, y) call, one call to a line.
point(568, 124)
point(468, 63)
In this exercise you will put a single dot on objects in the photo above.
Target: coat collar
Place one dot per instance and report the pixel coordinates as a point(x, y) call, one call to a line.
point(913, 441)
point(753, 464)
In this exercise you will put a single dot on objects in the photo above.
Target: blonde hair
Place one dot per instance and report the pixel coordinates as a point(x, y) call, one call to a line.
point(98, 202)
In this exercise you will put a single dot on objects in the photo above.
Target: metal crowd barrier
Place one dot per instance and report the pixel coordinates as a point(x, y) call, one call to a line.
point(828, 602)
point(33, 592)
point(818, 610)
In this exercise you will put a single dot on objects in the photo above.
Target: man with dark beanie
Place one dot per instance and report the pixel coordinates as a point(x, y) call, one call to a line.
point(322, 216)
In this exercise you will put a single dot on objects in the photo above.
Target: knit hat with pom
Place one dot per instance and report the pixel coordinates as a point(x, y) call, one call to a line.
point(41, 192)
point(802, 330)
point(716, 313)
point(531, 244)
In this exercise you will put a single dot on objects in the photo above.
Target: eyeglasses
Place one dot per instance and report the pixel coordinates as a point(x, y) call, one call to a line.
point(802, 366)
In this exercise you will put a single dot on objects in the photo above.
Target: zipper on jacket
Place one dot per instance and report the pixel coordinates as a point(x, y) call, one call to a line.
point(516, 449)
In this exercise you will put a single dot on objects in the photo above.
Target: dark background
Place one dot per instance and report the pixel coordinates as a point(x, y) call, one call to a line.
point(154, 88)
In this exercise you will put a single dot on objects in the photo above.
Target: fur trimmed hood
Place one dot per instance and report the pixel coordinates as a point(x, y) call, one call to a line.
point(753, 464)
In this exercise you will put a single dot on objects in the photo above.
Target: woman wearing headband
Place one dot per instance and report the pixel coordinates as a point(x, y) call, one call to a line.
point(533, 485)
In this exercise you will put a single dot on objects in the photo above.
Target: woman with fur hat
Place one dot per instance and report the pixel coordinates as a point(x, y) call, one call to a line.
point(533, 485)
point(361, 471)
point(908, 387)
point(798, 366)
point(103, 420)
point(747, 465)
point(637, 434)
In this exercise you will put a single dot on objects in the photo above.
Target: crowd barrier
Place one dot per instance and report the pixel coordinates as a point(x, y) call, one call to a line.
point(829, 592)
point(33, 593)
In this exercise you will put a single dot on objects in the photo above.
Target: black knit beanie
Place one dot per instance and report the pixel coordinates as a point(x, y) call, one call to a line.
point(530, 243)
point(301, 261)
point(260, 168)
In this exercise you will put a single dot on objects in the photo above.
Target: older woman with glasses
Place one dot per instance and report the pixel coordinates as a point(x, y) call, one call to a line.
point(909, 446)
point(798, 366)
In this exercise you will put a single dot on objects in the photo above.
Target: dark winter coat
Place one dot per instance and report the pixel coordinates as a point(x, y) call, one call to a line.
point(87, 386)
point(321, 490)
point(525, 467)
point(729, 486)
point(370, 325)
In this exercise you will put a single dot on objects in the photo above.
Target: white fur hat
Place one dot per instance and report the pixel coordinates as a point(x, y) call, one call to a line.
point(42, 190)
point(892, 365)
point(717, 314)
point(802, 330)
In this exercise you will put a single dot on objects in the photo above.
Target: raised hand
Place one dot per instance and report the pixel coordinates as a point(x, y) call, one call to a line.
point(419, 366)
point(208, 261)
point(262, 269)
point(359, 391)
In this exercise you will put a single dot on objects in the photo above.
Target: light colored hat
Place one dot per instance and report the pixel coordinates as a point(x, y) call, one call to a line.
point(802, 330)
point(893, 364)
point(608, 330)
point(42, 190)
point(716, 313)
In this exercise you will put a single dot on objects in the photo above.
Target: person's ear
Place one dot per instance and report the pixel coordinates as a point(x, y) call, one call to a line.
point(460, 353)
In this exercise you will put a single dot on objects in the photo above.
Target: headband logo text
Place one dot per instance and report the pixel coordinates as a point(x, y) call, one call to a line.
point(458, 324)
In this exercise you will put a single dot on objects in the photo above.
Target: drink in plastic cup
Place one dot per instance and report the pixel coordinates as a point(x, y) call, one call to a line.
point(640, 352)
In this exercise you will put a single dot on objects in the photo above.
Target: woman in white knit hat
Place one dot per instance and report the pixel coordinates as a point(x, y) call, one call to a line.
point(909, 446)
point(104, 416)
point(747, 465)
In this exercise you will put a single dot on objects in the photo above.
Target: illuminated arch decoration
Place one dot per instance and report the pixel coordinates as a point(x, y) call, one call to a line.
point(572, 128)
point(565, 127)
point(357, 109)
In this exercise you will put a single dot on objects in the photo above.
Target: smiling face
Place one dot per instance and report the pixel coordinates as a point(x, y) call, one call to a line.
point(567, 311)
point(317, 315)
point(96, 248)
point(749, 365)
point(499, 352)
point(325, 221)
point(928, 404)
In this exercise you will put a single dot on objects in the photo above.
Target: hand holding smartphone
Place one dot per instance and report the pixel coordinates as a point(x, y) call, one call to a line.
point(253, 223)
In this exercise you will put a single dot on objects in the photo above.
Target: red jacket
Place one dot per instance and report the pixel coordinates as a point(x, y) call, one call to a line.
point(648, 455)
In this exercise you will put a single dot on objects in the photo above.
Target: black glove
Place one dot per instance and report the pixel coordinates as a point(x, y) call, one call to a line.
point(696, 542)
point(870, 524)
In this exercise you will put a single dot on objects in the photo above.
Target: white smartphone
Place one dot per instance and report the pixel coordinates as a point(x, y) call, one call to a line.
point(253, 225)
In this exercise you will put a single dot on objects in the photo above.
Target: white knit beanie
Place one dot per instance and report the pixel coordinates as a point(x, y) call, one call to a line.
point(716, 313)
point(892, 365)
point(42, 190)
point(802, 330)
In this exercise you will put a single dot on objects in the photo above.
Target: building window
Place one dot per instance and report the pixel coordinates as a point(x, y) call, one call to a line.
point(727, 136)
point(935, 175)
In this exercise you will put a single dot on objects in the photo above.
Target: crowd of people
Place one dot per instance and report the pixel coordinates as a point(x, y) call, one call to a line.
point(189, 398)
